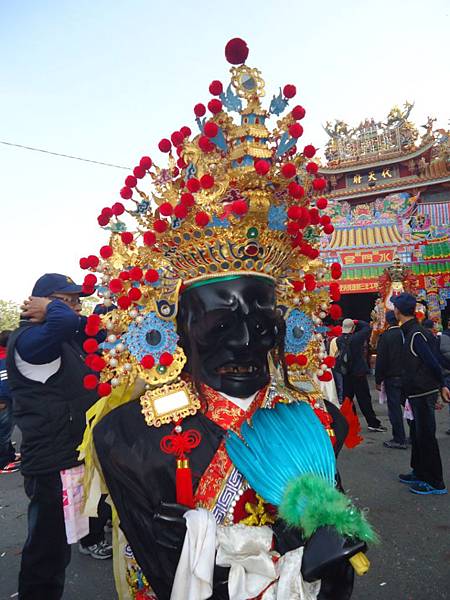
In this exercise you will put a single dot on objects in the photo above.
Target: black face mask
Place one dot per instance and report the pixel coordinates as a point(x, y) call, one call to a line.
point(227, 329)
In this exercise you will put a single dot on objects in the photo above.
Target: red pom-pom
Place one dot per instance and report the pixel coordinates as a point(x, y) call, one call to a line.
point(136, 273)
point(166, 209)
point(94, 261)
point(145, 162)
point(292, 228)
point(319, 184)
point(94, 320)
point(124, 275)
point(205, 144)
point(152, 275)
point(165, 145)
point(118, 209)
point(104, 389)
point(325, 219)
point(314, 253)
point(216, 87)
point(298, 286)
point(309, 151)
point(87, 289)
point(177, 138)
point(187, 199)
point(290, 359)
point(328, 229)
point(236, 51)
point(131, 181)
point(199, 109)
point(90, 382)
point(314, 216)
point(294, 212)
point(335, 266)
point(134, 294)
point(139, 172)
point(116, 286)
point(103, 220)
point(147, 361)
point(335, 312)
point(289, 90)
point(239, 207)
point(126, 237)
point(262, 167)
point(288, 170)
point(312, 168)
point(310, 282)
point(207, 181)
point(123, 302)
point(160, 225)
point(180, 211)
point(149, 238)
point(90, 345)
point(106, 251)
point(295, 190)
point(186, 131)
point(215, 106)
point(202, 218)
point(107, 212)
point(211, 129)
point(126, 193)
point(84, 263)
point(165, 359)
point(330, 361)
point(97, 363)
point(321, 203)
point(181, 164)
point(327, 376)
point(193, 185)
point(301, 360)
point(298, 112)
point(296, 130)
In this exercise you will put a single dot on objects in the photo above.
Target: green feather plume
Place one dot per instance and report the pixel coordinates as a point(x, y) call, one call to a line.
point(310, 502)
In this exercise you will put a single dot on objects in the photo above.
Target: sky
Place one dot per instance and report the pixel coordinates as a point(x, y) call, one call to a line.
point(106, 80)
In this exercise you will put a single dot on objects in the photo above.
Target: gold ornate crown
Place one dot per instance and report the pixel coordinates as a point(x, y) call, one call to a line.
point(235, 199)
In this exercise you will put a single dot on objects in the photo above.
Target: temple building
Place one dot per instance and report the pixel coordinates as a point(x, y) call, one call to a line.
point(389, 199)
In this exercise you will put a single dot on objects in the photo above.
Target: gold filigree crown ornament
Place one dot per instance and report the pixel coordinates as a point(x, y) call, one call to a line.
point(235, 199)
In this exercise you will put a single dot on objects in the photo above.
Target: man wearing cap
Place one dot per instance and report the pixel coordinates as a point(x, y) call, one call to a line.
point(422, 378)
point(388, 370)
point(45, 371)
point(352, 363)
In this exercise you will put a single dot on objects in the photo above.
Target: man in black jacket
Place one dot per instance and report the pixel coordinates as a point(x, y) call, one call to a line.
point(388, 370)
point(422, 380)
point(351, 360)
point(45, 372)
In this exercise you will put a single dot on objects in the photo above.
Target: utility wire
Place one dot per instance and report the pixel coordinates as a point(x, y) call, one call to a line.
point(96, 162)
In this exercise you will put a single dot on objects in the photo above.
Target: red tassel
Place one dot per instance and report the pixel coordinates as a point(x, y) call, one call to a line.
point(354, 427)
point(183, 482)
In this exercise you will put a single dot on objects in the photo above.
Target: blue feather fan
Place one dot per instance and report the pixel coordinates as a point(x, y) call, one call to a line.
point(281, 444)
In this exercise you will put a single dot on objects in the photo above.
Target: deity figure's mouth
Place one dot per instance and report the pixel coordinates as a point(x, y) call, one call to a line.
point(235, 369)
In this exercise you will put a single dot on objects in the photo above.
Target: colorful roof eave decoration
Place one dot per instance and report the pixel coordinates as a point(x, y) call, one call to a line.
point(392, 186)
point(372, 162)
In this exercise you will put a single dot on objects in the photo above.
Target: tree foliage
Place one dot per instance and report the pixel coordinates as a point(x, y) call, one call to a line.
point(9, 315)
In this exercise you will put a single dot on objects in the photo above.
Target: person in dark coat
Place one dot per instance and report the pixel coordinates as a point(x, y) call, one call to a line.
point(46, 367)
point(351, 360)
point(422, 379)
point(388, 370)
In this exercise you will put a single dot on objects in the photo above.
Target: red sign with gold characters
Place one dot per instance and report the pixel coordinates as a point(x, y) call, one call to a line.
point(360, 286)
point(367, 257)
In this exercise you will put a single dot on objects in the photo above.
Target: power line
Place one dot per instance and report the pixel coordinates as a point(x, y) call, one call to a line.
point(96, 162)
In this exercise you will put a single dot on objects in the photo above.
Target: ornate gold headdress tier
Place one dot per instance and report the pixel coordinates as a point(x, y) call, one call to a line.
point(237, 198)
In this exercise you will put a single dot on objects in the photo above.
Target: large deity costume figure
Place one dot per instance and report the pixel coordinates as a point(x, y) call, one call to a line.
point(211, 437)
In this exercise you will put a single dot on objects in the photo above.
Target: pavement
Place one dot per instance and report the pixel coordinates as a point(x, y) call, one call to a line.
point(412, 561)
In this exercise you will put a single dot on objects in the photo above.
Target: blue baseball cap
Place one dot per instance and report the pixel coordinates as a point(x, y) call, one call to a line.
point(405, 303)
point(50, 283)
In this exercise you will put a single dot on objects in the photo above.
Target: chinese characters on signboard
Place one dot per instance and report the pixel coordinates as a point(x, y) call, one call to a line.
point(371, 177)
point(367, 257)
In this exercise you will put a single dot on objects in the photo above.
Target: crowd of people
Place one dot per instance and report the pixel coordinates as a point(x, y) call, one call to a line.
point(41, 372)
point(412, 371)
